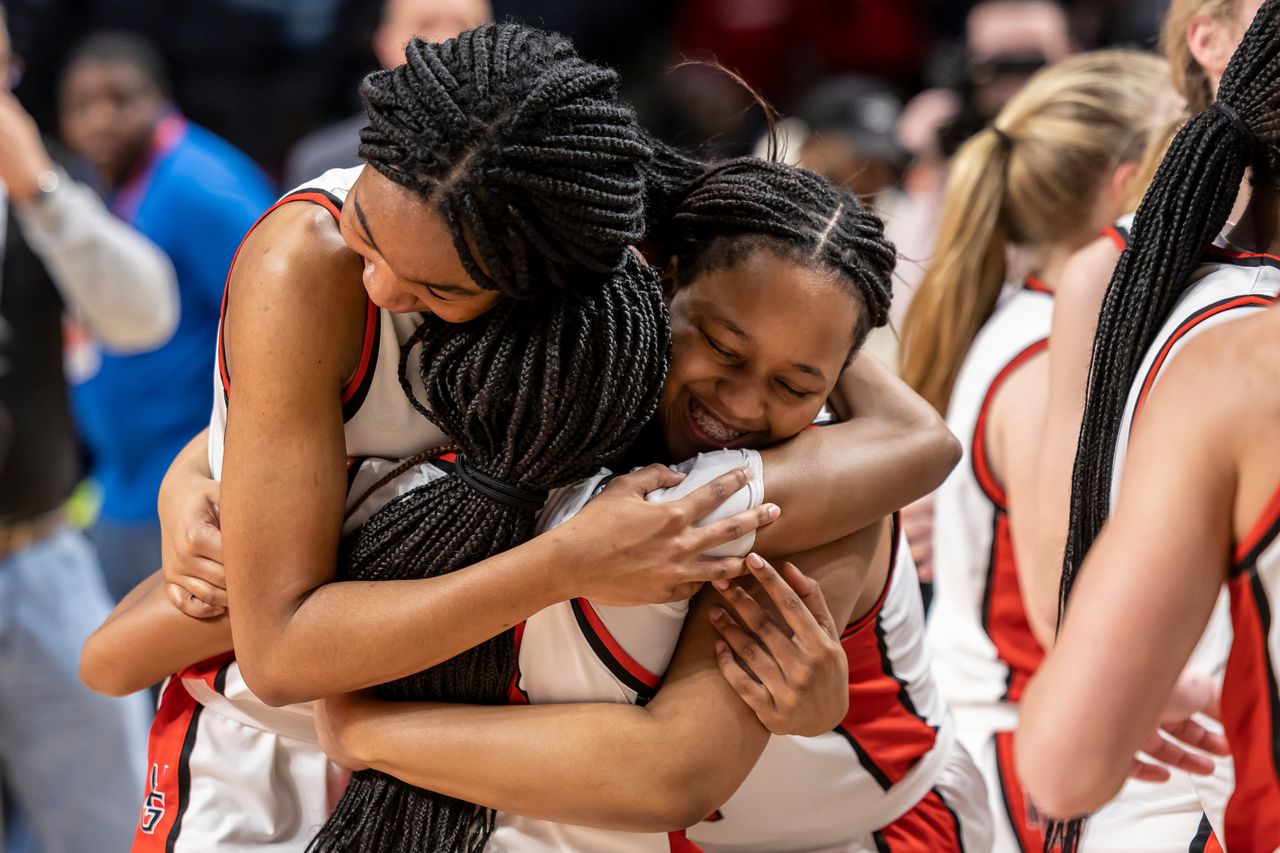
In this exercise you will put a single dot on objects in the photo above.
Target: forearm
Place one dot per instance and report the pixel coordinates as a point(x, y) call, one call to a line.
point(145, 639)
point(118, 282)
point(348, 635)
point(652, 769)
point(833, 481)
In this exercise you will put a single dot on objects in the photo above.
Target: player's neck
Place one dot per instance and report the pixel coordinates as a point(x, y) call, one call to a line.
point(1258, 229)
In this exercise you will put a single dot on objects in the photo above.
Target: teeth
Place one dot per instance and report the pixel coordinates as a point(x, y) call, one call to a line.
point(712, 427)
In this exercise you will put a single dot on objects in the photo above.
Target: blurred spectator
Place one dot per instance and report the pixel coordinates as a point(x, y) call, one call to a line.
point(196, 197)
point(334, 147)
point(850, 121)
point(71, 760)
point(1006, 41)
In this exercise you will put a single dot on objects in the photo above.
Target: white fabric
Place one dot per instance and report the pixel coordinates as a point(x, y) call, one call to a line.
point(119, 283)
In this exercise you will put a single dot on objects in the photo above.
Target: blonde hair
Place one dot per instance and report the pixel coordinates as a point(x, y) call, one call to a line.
point(1027, 180)
point(1188, 75)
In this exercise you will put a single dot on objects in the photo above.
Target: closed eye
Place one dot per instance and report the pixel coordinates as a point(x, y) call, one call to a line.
point(798, 393)
point(718, 349)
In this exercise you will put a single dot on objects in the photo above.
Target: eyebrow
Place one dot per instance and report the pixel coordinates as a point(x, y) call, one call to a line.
point(798, 365)
point(455, 289)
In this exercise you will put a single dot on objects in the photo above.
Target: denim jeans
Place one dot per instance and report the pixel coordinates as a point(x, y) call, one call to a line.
point(128, 553)
point(71, 759)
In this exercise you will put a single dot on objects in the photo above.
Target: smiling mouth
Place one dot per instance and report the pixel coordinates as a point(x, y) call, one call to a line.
point(712, 429)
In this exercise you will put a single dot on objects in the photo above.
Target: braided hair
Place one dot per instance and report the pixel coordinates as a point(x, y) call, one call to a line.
point(535, 399)
point(1182, 213)
point(747, 204)
point(539, 171)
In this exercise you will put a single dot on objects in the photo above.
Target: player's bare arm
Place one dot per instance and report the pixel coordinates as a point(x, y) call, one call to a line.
point(893, 449)
point(1144, 595)
point(642, 769)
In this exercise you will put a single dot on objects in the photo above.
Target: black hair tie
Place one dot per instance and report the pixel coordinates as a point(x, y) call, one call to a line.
point(1241, 126)
point(496, 490)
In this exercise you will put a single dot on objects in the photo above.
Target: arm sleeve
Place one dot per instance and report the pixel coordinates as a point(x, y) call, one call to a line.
point(119, 283)
point(704, 468)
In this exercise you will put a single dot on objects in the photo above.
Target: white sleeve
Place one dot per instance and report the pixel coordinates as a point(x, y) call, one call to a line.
point(119, 283)
point(704, 468)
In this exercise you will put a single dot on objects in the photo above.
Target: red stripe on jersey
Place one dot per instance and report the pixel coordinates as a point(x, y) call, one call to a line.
point(168, 786)
point(882, 725)
point(1113, 233)
point(516, 694)
point(212, 671)
point(1250, 717)
point(1220, 252)
point(1206, 840)
point(1004, 615)
point(613, 647)
point(1262, 534)
point(1017, 809)
point(1190, 323)
point(930, 827)
point(366, 354)
point(680, 843)
point(328, 203)
point(981, 466)
point(1035, 285)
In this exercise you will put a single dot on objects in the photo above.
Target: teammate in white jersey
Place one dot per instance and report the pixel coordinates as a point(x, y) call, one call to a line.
point(1057, 166)
point(1198, 472)
point(888, 771)
point(888, 434)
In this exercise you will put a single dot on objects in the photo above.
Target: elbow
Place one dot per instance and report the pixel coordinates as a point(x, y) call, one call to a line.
point(688, 797)
point(1063, 780)
point(270, 680)
point(98, 673)
point(942, 447)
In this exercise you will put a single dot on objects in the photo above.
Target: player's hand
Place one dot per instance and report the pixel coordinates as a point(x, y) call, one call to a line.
point(624, 550)
point(917, 524)
point(191, 542)
point(798, 682)
point(1180, 741)
point(334, 717)
point(22, 155)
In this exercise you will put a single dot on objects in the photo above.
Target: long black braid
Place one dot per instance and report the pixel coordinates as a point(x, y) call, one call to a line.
point(1182, 213)
point(747, 204)
point(535, 396)
point(536, 166)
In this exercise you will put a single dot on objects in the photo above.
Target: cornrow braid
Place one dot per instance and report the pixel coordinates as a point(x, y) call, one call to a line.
point(747, 204)
point(536, 397)
point(539, 171)
point(1182, 213)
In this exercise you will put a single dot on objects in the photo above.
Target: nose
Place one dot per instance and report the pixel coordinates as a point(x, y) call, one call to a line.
point(742, 400)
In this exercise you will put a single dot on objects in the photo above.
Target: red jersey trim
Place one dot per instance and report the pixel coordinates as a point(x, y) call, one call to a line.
point(1246, 259)
point(865, 619)
point(1261, 535)
point(981, 466)
point(1035, 285)
point(613, 655)
point(1187, 325)
point(1117, 236)
point(354, 392)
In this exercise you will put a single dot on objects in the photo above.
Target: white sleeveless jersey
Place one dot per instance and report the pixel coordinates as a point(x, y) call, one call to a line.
point(831, 791)
point(378, 419)
point(1228, 286)
point(1250, 701)
point(578, 651)
point(983, 649)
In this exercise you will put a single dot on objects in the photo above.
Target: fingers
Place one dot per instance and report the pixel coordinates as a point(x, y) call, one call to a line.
point(202, 591)
point(810, 592)
point(647, 479)
point(190, 605)
point(759, 623)
point(748, 689)
point(749, 650)
point(205, 540)
point(795, 609)
point(726, 530)
point(1146, 772)
point(1171, 754)
point(1197, 736)
point(702, 500)
point(718, 570)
